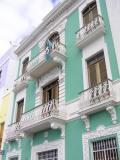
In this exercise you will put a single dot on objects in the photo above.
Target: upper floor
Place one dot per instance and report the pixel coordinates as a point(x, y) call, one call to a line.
point(70, 57)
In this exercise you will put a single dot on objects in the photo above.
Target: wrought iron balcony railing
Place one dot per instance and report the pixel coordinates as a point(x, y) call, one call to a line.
point(95, 98)
point(46, 60)
point(39, 117)
point(90, 32)
point(20, 83)
point(13, 131)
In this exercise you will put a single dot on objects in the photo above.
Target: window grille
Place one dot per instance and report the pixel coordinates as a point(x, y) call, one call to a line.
point(105, 149)
point(48, 155)
point(16, 158)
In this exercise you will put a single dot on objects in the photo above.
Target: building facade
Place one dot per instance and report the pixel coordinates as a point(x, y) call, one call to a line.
point(7, 76)
point(67, 92)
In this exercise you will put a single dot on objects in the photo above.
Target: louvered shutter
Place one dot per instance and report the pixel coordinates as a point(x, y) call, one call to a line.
point(103, 72)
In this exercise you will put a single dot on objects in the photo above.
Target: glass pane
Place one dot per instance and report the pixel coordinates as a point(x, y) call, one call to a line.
point(94, 12)
point(92, 75)
point(86, 19)
point(19, 110)
point(103, 72)
point(50, 91)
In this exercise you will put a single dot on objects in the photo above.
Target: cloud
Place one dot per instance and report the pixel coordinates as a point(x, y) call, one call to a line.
point(19, 17)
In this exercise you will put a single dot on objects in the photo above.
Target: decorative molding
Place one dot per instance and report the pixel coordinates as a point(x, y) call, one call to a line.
point(49, 21)
point(86, 121)
point(46, 134)
point(55, 125)
point(18, 142)
point(60, 61)
point(59, 28)
point(13, 154)
point(99, 133)
point(54, 73)
point(58, 144)
point(112, 111)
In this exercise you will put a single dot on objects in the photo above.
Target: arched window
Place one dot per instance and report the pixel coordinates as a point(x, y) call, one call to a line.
point(89, 13)
point(51, 43)
point(25, 64)
point(54, 38)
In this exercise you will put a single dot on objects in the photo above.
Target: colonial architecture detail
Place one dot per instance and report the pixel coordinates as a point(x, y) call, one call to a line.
point(66, 94)
point(112, 112)
point(86, 122)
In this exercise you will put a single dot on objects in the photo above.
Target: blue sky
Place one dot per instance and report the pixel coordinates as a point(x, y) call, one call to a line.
point(19, 17)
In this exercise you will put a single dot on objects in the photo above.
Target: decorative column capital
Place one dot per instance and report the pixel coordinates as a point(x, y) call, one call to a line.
point(55, 125)
point(86, 121)
point(60, 61)
point(112, 111)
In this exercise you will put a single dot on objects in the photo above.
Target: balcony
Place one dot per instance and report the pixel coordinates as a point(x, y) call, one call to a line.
point(42, 117)
point(20, 83)
point(90, 32)
point(46, 61)
point(13, 131)
point(99, 97)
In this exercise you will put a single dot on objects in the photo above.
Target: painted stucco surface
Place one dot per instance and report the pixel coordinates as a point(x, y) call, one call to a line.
point(30, 95)
point(4, 107)
point(74, 129)
point(35, 51)
point(73, 72)
point(109, 41)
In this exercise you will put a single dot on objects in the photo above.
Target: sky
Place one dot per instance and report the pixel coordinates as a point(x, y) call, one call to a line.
point(18, 18)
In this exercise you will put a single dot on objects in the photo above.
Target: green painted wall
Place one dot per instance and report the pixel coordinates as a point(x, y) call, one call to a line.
point(26, 149)
point(39, 137)
point(73, 72)
point(99, 118)
point(73, 140)
point(118, 113)
point(76, 128)
point(13, 145)
point(5, 151)
point(30, 95)
point(109, 41)
point(35, 51)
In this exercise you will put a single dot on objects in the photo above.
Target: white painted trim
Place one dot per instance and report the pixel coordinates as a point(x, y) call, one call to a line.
point(59, 144)
point(19, 96)
point(12, 154)
point(68, 7)
point(99, 133)
point(22, 59)
point(91, 50)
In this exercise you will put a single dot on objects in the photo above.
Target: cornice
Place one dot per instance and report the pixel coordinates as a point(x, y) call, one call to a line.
point(54, 14)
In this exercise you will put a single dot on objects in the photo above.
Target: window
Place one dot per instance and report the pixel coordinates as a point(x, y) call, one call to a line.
point(15, 158)
point(1, 133)
point(25, 64)
point(97, 69)
point(105, 149)
point(48, 155)
point(54, 37)
point(89, 13)
point(53, 41)
point(19, 110)
point(51, 92)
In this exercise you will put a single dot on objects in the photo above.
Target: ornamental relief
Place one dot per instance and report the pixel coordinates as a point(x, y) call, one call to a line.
point(58, 144)
point(51, 75)
point(100, 132)
point(59, 28)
